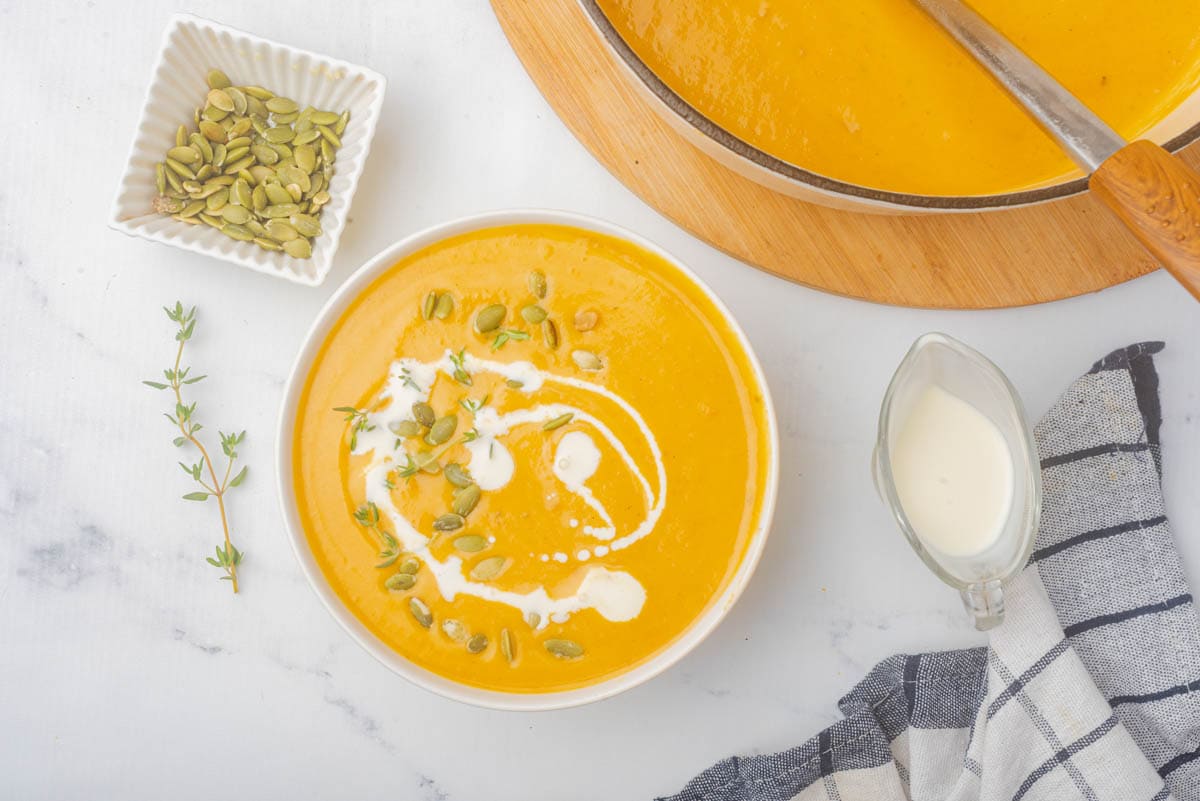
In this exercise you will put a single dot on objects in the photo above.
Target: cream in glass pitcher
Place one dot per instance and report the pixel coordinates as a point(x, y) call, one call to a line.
point(956, 463)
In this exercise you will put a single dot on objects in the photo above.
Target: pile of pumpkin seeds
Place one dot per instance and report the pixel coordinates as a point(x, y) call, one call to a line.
point(256, 167)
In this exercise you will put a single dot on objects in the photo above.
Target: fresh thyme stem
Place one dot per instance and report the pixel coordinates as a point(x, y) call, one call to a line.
point(228, 558)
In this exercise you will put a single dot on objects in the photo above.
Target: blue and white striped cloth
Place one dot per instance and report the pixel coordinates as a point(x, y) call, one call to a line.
point(1091, 688)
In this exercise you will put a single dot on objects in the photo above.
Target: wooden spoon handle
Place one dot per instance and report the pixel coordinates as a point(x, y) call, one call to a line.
point(1157, 196)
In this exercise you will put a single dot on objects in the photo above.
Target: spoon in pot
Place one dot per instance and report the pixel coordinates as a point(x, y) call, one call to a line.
point(1154, 193)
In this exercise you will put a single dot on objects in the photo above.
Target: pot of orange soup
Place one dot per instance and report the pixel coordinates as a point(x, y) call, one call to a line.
point(527, 459)
point(867, 104)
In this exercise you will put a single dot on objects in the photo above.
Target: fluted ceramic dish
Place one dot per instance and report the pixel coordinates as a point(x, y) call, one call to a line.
point(191, 46)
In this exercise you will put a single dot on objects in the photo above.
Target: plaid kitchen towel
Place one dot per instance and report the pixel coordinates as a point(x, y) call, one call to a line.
point(1091, 688)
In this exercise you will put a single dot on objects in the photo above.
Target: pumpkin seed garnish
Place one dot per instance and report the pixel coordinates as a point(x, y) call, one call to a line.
point(512, 383)
point(586, 320)
point(406, 428)
point(444, 307)
point(420, 611)
point(428, 305)
point(586, 360)
point(550, 334)
point(426, 462)
point(401, 581)
point(506, 645)
point(454, 629)
point(488, 569)
point(533, 314)
point(466, 499)
point(457, 475)
point(262, 148)
point(558, 422)
point(470, 543)
point(410, 565)
point(489, 318)
point(477, 643)
point(537, 284)
point(424, 413)
point(449, 522)
point(442, 429)
point(564, 649)
point(533, 619)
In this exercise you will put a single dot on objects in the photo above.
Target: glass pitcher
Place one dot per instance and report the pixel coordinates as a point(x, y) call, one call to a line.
point(939, 360)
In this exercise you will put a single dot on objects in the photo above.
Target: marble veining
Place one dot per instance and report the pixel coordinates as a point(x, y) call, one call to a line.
point(127, 670)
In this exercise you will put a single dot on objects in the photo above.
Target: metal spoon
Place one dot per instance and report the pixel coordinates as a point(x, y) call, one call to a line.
point(1154, 193)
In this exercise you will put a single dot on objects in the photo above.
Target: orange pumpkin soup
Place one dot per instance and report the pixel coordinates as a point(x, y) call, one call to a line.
point(872, 92)
point(527, 458)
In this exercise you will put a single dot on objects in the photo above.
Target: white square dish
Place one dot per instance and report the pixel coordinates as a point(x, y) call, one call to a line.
point(193, 45)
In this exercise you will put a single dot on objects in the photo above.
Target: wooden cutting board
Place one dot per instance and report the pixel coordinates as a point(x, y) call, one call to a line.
point(959, 261)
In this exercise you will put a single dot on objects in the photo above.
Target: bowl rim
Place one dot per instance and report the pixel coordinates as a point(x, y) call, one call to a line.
point(322, 259)
point(331, 311)
point(822, 183)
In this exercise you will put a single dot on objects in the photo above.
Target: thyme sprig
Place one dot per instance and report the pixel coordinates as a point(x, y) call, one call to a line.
point(358, 420)
point(228, 558)
point(367, 516)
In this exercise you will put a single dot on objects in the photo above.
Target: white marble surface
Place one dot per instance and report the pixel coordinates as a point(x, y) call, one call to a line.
point(127, 670)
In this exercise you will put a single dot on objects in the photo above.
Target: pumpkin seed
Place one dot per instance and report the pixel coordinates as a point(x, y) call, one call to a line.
point(281, 105)
point(457, 475)
point(558, 422)
point(533, 619)
point(406, 428)
point(219, 98)
point(185, 154)
point(586, 360)
point(160, 179)
point(236, 214)
point(238, 97)
point(442, 429)
point(490, 317)
point(512, 383)
point(429, 305)
point(537, 284)
point(241, 194)
point(265, 243)
point(420, 611)
point(427, 462)
point(477, 643)
point(449, 522)
point(423, 413)
point(329, 136)
point(217, 200)
point(410, 565)
point(212, 132)
point(276, 194)
point(401, 581)
point(343, 121)
point(506, 645)
point(586, 320)
point(181, 136)
point(192, 209)
point(258, 92)
point(281, 210)
point(217, 79)
point(466, 499)
point(306, 157)
point(550, 334)
point(233, 154)
point(180, 169)
point(239, 232)
point(533, 314)
point(445, 305)
point(286, 119)
point(298, 248)
point(258, 198)
point(488, 569)
point(323, 117)
point(470, 543)
point(305, 225)
point(564, 649)
point(307, 136)
point(454, 629)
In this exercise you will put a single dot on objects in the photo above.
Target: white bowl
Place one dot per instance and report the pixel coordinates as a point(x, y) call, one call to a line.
point(191, 46)
point(689, 639)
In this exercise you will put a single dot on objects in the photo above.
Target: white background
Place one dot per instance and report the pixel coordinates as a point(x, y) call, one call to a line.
point(127, 670)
